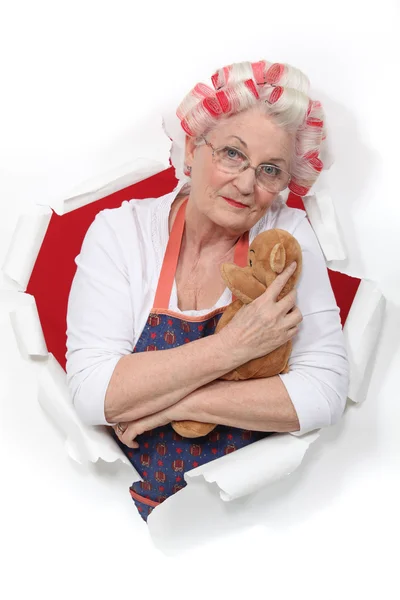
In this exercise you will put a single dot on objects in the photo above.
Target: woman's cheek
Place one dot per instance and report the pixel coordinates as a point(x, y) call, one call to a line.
point(219, 181)
point(267, 201)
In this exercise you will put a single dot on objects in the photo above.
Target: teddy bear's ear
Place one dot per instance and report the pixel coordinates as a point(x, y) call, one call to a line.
point(278, 258)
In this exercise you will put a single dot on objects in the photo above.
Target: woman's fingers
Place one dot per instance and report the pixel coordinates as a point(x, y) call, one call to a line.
point(281, 280)
point(262, 326)
point(287, 302)
point(126, 434)
point(292, 332)
point(293, 319)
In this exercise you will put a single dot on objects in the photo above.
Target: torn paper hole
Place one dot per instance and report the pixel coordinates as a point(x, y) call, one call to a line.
point(236, 475)
point(362, 330)
point(87, 443)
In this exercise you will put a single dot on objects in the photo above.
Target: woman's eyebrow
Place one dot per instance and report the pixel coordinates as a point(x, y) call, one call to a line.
point(282, 160)
point(240, 140)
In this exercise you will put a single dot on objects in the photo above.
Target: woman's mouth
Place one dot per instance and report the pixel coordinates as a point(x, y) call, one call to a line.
point(234, 203)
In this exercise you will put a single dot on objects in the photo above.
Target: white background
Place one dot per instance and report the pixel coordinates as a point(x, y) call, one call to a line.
point(83, 89)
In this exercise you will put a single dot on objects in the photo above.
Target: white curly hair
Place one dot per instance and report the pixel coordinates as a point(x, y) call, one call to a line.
point(281, 91)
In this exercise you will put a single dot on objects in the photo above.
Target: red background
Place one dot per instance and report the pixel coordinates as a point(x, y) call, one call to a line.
point(55, 267)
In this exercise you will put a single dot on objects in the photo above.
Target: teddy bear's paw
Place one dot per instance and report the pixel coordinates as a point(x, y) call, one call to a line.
point(192, 429)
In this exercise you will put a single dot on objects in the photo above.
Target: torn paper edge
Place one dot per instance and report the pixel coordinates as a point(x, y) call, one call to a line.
point(286, 452)
point(90, 443)
point(28, 329)
point(113, 181)
point(321, 212)
point(32, 225)
point(26, 242)
point(173, 130)
point(83, 442)
point(362, 330)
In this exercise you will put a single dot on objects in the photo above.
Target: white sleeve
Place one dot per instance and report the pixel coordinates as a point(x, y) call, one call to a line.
point(100, 325)
point(317, 382)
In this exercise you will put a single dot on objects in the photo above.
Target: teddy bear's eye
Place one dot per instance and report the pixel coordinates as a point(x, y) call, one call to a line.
point(251, 263)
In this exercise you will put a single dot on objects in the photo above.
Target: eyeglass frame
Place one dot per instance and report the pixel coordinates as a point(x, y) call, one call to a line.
point(249, 166)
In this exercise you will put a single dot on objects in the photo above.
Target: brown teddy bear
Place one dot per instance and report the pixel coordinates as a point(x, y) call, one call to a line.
point(269, 254)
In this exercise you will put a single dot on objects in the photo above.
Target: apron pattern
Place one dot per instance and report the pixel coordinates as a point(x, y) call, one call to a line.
point(163, 455)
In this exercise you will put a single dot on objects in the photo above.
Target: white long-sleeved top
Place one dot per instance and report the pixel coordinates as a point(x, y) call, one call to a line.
point(113, 291)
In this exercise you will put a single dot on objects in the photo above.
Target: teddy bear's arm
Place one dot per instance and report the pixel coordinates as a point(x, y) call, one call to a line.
point(242, 282)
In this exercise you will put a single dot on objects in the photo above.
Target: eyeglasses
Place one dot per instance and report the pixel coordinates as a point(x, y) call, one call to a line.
point(233, 161)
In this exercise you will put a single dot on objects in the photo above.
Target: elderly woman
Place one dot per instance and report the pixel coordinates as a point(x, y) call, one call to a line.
point(148, 293)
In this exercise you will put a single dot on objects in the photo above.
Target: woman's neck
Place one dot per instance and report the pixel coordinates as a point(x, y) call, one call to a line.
point(202, 236)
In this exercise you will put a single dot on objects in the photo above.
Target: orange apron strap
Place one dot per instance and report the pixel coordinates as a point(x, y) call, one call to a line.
point(142, 499)
point(168, 269)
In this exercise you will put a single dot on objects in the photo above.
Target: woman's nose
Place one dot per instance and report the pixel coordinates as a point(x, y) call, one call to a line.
point(245, 181)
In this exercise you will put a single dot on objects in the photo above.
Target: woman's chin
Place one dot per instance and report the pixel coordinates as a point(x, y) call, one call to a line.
point(231, 219)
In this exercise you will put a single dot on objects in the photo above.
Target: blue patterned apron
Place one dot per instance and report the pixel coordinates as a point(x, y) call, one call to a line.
point(163, 455)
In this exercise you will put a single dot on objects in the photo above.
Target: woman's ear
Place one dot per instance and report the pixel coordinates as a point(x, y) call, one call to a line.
point(189, 150)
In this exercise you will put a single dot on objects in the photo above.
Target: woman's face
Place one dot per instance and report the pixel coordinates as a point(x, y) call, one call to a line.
point(263, 142)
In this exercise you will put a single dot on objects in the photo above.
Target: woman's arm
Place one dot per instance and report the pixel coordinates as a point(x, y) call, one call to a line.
point(149, 382)
point(110, 384)
point(312, 395)
point(173, 374)
point(256, 404)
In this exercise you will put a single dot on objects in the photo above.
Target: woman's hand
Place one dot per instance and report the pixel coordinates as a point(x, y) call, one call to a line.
point(265, 324)
point(185, 409)
point(127, 432)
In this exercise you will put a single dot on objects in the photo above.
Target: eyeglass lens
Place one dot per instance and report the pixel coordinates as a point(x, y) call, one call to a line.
point(269, 176)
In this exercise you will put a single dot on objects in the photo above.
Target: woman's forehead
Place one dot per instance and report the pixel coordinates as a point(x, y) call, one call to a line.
point(252, 130)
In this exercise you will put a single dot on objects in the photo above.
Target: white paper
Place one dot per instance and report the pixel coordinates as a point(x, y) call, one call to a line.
point(197, 512)
point(255, 466)
point(83, 443)
point(107, 183)
point(28, 330)
point(362, 330)
point(25, 245)
point(22, 311)
point(321, 213)
point(172, 128)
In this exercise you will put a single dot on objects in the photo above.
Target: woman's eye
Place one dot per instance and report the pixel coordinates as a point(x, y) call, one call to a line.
point(271, 170)
point(232, 153)
point(251, 263)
